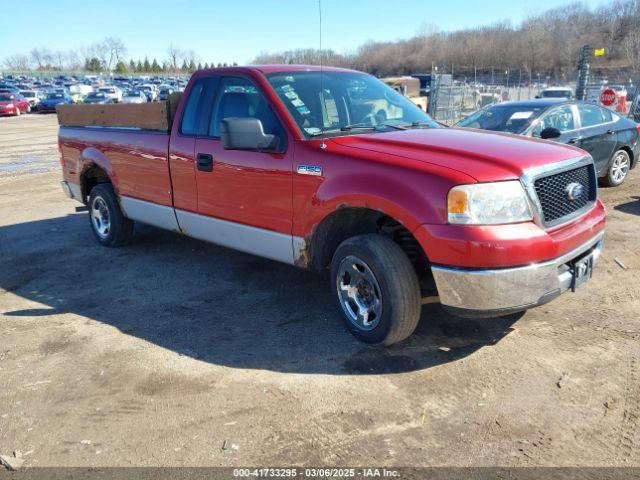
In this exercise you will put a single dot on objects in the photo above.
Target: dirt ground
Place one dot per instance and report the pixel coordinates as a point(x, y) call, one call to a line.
point(174, 352)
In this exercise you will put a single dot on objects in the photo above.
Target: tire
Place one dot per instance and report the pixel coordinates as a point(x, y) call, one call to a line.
point(18, 112)
point(384, 282)
point(618, 169)
point(108, 224)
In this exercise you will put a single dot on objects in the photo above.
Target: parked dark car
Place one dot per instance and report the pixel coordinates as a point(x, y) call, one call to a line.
point(612, 140)
point(163, 94)
point(49, 103)
point(98, 98)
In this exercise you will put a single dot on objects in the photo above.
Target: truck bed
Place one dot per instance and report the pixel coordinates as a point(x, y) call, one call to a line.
point(138, 159)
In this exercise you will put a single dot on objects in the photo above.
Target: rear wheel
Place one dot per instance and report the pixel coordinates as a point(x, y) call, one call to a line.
point(109, 225)
point(618, 169)
point(377, 289)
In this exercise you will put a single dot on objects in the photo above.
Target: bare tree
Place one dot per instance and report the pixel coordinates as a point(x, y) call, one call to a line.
point(116, 50)
point(42, 58)
point(175, 56)
point(17, 62)
point(632, 49)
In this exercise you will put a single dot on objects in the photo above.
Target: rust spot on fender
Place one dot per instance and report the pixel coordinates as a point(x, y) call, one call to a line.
point(301, 250)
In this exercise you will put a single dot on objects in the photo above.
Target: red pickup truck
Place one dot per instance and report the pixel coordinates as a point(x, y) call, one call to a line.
point(331, 169)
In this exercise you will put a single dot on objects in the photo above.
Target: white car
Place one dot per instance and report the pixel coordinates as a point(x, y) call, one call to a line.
point(113, 93)
point(150, 90)
point(32, 96)
point(134, 96)
point(556, 92)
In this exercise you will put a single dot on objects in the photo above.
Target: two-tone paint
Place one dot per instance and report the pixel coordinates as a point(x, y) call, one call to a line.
point(263, 203)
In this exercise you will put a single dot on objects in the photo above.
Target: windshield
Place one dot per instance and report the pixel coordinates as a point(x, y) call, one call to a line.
point(5, 98)
point(556, 93)
point(54, 96)
point(502, 118)
point(133, 93)
point(96, 95)
point(28, 94)
point(352, 102)
point(107, 90)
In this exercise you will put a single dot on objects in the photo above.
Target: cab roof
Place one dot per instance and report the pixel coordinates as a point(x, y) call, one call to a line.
point(281, 69)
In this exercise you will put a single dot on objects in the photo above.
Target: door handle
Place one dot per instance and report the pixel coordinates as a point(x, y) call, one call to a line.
point(205, 162)
point(574, 140)
point(610, 132)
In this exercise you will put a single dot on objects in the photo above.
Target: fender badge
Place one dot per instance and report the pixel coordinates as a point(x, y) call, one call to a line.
point(310, 170)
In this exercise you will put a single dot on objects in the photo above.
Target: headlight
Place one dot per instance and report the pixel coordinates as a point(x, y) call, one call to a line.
point(9, 105)
point(488, 204)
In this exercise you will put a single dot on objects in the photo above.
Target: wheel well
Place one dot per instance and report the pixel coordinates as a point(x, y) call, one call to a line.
point(630, 152)
point(349, 222)
point(91, 176)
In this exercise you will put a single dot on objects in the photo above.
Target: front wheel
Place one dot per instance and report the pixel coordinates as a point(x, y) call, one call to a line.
point(377, 289)
point(618, 169)
point(109, 225)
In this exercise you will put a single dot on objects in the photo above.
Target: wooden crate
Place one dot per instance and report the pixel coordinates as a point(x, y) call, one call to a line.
point(148, 116)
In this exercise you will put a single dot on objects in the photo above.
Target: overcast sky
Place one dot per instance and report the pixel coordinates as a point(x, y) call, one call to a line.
point(228, 31)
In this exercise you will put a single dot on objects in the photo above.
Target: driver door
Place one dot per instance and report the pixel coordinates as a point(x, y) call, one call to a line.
point(244, 198)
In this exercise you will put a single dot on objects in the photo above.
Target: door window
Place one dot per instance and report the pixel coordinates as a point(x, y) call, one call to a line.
point(239, 97)
point(560, 118)
point(591, 115)
point(198, 107)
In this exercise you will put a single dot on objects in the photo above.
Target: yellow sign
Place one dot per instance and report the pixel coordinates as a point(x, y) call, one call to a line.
point(598, 52)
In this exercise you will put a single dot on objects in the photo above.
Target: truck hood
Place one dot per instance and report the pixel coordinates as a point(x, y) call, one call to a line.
point(485, 156)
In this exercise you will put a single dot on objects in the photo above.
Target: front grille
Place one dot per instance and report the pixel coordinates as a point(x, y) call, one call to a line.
point(553, 196)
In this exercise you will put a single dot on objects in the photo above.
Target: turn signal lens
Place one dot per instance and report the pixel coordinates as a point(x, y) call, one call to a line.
point(457, 202)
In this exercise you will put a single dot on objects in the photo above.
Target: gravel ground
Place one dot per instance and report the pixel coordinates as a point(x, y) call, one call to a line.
point(174, 352)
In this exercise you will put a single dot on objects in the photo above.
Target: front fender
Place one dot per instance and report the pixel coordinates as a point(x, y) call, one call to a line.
point(409, 197)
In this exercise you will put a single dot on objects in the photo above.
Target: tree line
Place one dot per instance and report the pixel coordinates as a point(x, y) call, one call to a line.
point(106, 56)
point(546, 44)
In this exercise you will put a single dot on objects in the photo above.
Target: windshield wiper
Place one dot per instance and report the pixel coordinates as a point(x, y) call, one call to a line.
point(399, 126)
point(357, 126)
point(419, 124)
point(360, 126)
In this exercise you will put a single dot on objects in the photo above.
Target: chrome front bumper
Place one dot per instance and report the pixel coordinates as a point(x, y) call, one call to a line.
point(474, 292)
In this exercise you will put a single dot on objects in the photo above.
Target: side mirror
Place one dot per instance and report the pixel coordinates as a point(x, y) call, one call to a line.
point(537, 96)
point(246, 134)
point(550, 133)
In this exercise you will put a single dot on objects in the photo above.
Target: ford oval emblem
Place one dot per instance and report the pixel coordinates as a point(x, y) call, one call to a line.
point(574, 191)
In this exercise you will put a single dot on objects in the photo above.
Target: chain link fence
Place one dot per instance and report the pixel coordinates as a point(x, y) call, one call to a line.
point(450, 100)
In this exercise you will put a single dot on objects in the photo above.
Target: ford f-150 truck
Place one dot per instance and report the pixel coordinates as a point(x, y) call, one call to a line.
point(294, 164)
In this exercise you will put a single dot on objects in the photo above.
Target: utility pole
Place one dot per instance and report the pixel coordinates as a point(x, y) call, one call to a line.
point(583, 72)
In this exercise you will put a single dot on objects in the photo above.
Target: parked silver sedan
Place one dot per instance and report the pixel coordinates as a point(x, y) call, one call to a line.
point(134, 96)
